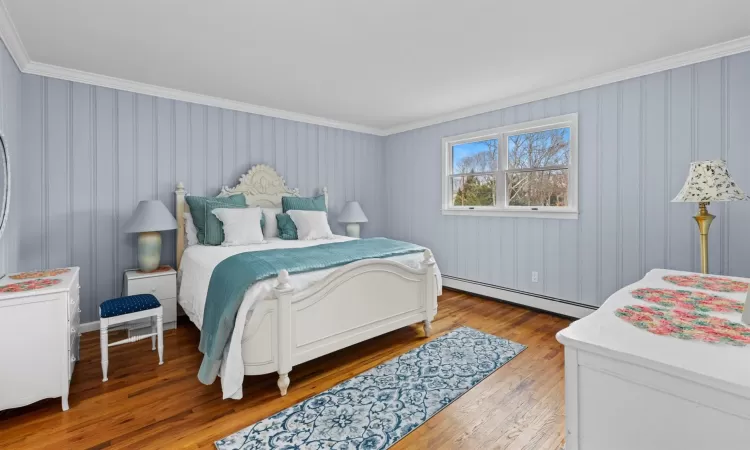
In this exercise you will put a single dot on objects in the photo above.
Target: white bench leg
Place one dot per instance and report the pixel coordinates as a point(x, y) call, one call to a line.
point(105, 349)
point(153, 330)
point(160, 332)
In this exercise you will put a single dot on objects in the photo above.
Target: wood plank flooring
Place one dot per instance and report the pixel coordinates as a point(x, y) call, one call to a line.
point(144, 405)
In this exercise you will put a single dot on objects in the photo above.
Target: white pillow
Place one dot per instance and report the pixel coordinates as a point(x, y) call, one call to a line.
point(311, 224)
point(272, 228)
point(190, 231)
point(241, 225)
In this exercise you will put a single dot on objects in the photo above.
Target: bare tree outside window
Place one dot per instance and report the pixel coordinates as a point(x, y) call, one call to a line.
point(537, 173)
point(474, 167)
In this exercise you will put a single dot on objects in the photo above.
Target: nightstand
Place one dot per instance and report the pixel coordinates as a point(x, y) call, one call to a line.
point(162, 283)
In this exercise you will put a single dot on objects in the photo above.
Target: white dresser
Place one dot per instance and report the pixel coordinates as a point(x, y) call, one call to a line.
point(626, 388)
point(39, 339)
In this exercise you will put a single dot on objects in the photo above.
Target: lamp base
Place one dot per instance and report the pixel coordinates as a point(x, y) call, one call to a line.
point(149, 251)
point(352, 230)
point(704, 219)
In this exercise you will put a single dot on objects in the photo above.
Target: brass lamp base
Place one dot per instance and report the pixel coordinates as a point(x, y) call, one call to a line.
point(704, 219)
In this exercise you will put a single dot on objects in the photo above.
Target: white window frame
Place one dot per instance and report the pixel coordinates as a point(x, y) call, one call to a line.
point(501, 134)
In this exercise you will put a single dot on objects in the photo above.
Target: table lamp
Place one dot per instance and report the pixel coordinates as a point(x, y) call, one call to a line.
point(352, 215)
point(149, 218)
point(708, 181)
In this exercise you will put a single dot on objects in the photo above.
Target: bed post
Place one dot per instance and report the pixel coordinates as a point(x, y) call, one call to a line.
point(179, 211)
point(325, 193)
point(431, 307)
point(283, 292)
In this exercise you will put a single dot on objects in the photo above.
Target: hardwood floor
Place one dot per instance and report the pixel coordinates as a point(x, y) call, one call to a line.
point(144, 405)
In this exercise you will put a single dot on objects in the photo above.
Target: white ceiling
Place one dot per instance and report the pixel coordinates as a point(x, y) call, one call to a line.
point(381, 64)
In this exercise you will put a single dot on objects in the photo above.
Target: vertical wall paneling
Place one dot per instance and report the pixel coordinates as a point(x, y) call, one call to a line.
point(636, 141)
point(90, 154)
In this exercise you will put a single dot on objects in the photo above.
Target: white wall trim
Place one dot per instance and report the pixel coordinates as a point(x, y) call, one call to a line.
point(511, 296)
point(658, 65)
point(89, 327)
point(9, 35)
point(63, 73)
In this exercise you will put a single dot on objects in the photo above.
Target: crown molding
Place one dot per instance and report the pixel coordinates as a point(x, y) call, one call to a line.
point(658, 65)
point(12, 40)
point(63, 73)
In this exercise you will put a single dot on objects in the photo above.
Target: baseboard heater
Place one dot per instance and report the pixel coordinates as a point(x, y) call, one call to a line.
point(536, 301)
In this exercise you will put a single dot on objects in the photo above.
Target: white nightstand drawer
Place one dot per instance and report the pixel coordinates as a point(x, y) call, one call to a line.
point(161, 287)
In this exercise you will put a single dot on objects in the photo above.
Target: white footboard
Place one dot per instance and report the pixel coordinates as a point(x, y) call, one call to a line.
point(356, 302)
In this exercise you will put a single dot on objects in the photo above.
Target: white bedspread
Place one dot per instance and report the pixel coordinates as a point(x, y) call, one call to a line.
point(198, 263)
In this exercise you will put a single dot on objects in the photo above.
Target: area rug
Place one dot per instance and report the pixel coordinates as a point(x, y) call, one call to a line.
point(377, 408)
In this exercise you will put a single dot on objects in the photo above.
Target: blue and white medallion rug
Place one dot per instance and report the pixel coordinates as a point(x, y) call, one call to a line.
point(377, 408)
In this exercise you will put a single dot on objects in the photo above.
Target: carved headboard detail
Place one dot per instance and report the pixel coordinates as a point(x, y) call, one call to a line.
point(262, 186)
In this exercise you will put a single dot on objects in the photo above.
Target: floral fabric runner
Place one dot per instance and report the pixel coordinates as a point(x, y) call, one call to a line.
point(688, 300)
point(30, 285)
point(685, 325)
point(717, 284)
point(38, 274)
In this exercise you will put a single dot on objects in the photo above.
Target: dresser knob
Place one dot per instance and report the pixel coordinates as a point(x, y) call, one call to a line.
point(72, 359)
point(72, 329)
point(79, 310)
point(72, 301)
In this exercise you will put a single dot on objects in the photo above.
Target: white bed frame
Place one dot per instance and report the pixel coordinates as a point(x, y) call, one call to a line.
point(356, 302)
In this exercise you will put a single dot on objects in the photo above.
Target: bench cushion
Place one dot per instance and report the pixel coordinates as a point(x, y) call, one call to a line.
point(126, 305)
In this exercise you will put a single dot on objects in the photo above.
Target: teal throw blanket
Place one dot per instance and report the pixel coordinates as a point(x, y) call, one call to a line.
point(232, 277)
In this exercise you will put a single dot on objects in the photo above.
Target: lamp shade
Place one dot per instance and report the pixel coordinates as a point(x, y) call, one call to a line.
point(709, 181)
point(352, 213)
point(150, 215)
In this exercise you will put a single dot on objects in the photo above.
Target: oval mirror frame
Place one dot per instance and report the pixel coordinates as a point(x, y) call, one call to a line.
point(5, 161)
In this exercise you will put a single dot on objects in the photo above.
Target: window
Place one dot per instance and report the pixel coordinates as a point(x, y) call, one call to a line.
point(523, 170)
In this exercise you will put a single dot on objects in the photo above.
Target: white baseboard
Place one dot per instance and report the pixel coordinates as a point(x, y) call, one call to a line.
point(533, 301)
point(89, 327)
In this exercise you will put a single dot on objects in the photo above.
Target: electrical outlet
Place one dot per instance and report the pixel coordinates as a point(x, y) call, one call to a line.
point(534, 277)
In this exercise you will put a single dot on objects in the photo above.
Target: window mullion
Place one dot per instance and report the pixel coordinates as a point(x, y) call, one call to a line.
point(502, 167)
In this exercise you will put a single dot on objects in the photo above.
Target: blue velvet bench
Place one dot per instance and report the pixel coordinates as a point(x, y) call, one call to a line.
point(127, 309)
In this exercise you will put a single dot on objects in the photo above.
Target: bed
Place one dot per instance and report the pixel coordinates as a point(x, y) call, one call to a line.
point(285, 321)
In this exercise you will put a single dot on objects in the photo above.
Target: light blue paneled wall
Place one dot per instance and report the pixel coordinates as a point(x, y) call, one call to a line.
point(636, 140)
point(91, 154)
point(10, 127)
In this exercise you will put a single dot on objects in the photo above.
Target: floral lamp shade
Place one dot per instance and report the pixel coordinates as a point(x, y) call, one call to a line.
point(709, 181)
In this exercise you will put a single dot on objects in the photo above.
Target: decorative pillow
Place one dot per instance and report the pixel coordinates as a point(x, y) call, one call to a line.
point(241, 225)
point(191, 233)
point(208, 226)
point(311, 224)
point(287, 229)
point(304, 203)
point(270, 227)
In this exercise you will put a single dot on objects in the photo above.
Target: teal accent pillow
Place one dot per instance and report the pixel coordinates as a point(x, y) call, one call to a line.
point(304, 203)
point(210, 230)
point(286, 226)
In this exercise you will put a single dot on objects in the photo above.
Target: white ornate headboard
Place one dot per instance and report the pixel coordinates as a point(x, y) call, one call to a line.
point(261, 185)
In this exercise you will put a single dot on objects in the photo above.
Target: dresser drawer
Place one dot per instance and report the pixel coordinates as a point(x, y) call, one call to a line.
point(74, 355)
point(74, 299)
point(161, 287)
